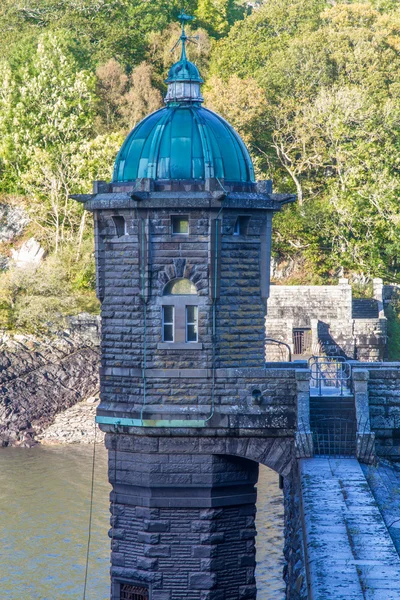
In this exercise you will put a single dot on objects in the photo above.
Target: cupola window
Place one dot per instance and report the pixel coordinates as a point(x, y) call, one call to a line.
point(180, 225)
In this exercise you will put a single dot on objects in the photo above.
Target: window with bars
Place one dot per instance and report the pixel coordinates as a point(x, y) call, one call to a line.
point(133, 592)
point(302, 341)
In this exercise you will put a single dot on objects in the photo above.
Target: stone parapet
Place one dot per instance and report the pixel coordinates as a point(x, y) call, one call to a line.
point(245, 399)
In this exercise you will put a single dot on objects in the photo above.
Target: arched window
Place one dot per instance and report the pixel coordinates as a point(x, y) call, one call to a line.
point(180, 313)
point(179, 287)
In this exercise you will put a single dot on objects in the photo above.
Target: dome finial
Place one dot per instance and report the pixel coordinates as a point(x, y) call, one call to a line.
point(184, 18)
point(184, 79)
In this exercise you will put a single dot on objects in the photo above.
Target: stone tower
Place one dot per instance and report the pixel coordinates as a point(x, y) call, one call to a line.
point(183, 237)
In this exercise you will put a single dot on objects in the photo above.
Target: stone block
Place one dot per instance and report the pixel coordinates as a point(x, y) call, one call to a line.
point(213, 595)
point(156, 526)
point(179, 445)
point(247, 561)
point(147, 513)
point(148, 538)
point(203, 527)
point(212, 564)
point(118, 559)
point(211, 513)
point(212, 538)
point(247, 592)
point(204, 551)
point(157, 551)
point(247, 534)
point(148, 564)
point(202, 581)
point(160, 595)
point(117, 534)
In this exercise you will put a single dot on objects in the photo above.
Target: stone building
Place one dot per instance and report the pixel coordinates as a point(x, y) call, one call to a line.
point(188, 405)
point(183, 237)
point(326, 320)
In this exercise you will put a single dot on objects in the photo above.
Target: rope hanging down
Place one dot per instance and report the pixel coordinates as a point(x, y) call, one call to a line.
point(90, 513)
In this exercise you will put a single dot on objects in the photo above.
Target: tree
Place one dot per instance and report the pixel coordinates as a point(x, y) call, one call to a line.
point(242, 102)
point(219, 15)
point(112, 82)
point(48, 149)
point(142, 98)
point(330, 129)
point(53, 103)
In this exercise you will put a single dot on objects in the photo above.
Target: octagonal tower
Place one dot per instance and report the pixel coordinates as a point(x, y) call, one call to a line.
point(183, 236)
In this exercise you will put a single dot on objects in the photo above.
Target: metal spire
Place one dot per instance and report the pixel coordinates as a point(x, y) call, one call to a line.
point(184, 18)
point(184, 79)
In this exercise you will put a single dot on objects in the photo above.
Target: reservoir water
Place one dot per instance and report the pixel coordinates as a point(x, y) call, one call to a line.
point(44, 513)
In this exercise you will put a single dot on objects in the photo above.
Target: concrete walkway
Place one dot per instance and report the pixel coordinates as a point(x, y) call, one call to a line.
point(349, 552)
point(384, 481)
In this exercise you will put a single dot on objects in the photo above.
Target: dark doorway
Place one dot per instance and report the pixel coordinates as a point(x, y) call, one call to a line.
point(302, 341)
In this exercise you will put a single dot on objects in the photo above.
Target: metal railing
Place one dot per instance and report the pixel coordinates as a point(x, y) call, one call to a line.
point(335, 436)
point(271, 341)
point(330, 375)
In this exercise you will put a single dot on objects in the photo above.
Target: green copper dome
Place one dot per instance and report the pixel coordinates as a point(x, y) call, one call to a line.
point(184, 141)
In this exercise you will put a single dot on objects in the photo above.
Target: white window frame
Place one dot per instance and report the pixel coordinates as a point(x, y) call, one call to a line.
point(168, 323)
point(194, 323)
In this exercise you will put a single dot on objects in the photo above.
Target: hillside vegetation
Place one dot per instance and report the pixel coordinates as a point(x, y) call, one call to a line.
point(313, 87)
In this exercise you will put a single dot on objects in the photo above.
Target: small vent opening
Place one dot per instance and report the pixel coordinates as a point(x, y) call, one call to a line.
point(241, 225)
point(120, 226)
point(133, 592)
point(180, 225)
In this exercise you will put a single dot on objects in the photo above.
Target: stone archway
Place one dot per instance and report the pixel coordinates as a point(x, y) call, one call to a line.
point(197, 495)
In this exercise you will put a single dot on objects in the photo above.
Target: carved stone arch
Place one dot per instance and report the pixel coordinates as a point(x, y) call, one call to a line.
point(276, 453)
point(179, 268)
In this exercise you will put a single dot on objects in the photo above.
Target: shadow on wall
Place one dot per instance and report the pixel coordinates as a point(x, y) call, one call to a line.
point(328, 345)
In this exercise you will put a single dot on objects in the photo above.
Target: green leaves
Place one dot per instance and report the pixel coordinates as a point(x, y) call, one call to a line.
point(329, 129)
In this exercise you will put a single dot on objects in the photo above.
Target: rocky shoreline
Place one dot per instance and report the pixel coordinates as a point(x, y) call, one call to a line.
point(41, 379)
point(76, 425)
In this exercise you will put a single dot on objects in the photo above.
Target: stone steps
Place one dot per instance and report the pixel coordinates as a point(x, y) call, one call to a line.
point(365, 308)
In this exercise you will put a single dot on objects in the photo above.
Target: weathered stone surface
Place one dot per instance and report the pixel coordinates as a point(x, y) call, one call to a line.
point(327, 311)
point(340, 512)
point(41, 378)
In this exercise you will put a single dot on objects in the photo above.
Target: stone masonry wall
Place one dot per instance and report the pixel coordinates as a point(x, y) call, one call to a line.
point(294, 572)
point(233, 393)
point(370, 339)
point(132, 327)
point(195, 511)
point(324, 309)
point(327, 311)
point(240, 308)
point(384, 403)
point(41, 378)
